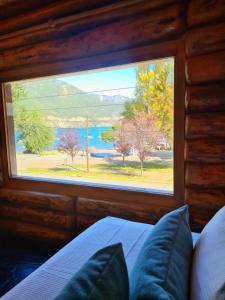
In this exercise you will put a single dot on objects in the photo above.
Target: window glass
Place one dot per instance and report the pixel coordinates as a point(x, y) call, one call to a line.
point(111, 126)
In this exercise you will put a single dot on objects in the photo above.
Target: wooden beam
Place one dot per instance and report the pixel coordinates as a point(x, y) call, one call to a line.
point(208, 98)
point(212, 199)
point(29, 230)
point(205, 150)
point(205, 39)
point(204, 12)
point(44, 201)
point(138, 30)
point(79, 22)
point(50, 219)
point(205, 125)
point(206, 68)
point(204, 175)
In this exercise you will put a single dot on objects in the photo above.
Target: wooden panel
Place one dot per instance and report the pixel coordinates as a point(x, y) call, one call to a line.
point(206, 150)
point(90, 210)
point(207, 98)
point(206, 68)
point(212, 199)
point(205, 175)
point(205, 125)
point(205, 11)
point(50, 219)
point(49, 12)
point(206, 39)
point(77, 23)
point(29, 230)
point(40, 200)
point(109, 38)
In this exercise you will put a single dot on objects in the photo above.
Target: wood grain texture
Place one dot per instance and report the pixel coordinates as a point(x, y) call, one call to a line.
point(39, 200)
point(89, 211)
point(211, 199)
point(205, 125)
point(109, 38)
point(205, 175)
point(29, 230)
point(206, 68)
point(50, 219)
point(205, 150)
point(205, 11)
point(57, 28)
point(208, 98)
point(205, 39)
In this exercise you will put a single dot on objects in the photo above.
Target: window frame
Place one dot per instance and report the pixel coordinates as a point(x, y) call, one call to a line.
point(173, 49)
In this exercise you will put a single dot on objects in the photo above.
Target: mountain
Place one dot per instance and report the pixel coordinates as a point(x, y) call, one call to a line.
point(57, 99)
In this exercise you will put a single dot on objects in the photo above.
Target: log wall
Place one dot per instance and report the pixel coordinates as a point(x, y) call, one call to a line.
point(51, 37)
point(205, 109)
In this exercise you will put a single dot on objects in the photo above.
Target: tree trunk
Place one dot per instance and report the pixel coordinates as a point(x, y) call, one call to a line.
point(141, 167)
point(123, 159)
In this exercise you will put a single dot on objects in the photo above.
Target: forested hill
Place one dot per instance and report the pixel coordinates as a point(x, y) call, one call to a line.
point(62, 100)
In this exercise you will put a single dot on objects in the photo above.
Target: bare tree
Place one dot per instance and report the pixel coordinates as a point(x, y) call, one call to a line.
point(70, 143)
point(145, 135)
point(122, 137)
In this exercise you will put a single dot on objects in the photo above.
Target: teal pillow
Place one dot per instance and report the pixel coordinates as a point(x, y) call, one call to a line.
point(103, 276)
point(162, 269)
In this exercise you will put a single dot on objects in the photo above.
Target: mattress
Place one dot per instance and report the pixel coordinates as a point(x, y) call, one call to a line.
point(47, 281)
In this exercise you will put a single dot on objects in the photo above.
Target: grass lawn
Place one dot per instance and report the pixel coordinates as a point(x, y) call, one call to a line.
point(156, 174)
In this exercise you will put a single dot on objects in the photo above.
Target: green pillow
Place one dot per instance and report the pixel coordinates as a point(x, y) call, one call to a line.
point(162, 269)
point(103, 276)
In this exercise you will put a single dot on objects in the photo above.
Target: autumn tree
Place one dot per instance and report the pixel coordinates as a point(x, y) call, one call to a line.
point(154, 95)
point(70, 143)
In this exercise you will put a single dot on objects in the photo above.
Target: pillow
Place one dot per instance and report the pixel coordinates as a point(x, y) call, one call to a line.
point(103, 276)
point(208, 266)
point(162, 269)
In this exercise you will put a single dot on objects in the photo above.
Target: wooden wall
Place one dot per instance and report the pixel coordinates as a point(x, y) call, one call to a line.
point(59, 34)
point(205, 109)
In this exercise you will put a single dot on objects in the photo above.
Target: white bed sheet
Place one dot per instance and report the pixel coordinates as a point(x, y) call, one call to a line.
point(47, 281)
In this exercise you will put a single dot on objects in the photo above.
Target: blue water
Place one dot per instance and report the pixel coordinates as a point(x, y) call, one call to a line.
point(94, 138)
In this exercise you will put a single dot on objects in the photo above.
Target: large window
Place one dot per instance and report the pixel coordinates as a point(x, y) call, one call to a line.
point(109, 126)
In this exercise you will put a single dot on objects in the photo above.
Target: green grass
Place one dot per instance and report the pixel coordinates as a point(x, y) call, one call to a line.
point(157, 174)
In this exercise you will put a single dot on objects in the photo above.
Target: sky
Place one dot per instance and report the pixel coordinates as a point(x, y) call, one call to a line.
point(106, 81)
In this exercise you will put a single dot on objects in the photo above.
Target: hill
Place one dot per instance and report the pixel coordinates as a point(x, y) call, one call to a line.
point(59, 100)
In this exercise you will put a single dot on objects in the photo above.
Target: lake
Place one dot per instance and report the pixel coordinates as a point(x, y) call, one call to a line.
point(94, 138)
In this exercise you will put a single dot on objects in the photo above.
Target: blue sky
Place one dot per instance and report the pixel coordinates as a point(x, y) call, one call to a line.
point(124, 78)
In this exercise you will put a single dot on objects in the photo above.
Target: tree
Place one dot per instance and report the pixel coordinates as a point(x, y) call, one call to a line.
point(70, 143)
point(35, 134)
point(145, 135)
point(108, 136)
point(122, 136)
point(154, 95)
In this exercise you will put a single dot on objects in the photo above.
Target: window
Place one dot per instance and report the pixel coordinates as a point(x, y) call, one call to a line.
point(111, 126)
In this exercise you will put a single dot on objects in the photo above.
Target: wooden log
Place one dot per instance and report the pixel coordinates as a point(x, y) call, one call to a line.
point(206, 68)
point(211, 199)
point(89, 211)
point(50, 12)
point(208, 98)
point(29, 230)
point(138, 30)
point(205, 175)
point(50, 219)
point(205, 150)
point(204, 12)
point(205, 40)
point(13, 8)
point(38, 200)
point(77, 23)
point(205, 125)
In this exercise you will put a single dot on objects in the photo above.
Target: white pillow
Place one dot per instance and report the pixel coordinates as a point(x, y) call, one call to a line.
point(208, 265)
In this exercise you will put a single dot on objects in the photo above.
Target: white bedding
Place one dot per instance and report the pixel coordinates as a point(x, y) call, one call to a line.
point(47, 281)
